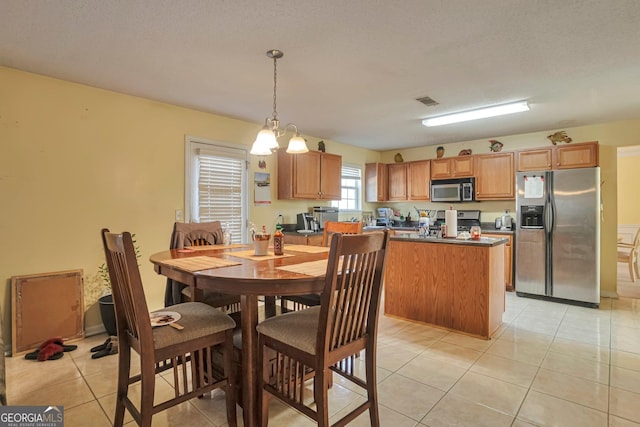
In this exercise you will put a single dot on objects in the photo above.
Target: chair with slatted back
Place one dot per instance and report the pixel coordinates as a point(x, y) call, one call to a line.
point(189, 352)
point(629, 254)
point(198, 234)
point(299, 302)
point(324, 338)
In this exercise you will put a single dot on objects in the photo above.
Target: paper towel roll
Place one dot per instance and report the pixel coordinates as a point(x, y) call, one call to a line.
point(451, 218)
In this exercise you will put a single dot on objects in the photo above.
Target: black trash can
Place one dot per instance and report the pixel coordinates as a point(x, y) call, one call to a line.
point(108, 314)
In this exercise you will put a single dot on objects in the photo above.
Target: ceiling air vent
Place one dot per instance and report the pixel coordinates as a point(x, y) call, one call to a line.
point(428, 101)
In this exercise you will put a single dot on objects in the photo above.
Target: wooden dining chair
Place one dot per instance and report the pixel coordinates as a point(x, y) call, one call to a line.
point(198, 234)
point(324, 338)
point(628, 253)
point(189, 352)
point(299, 302)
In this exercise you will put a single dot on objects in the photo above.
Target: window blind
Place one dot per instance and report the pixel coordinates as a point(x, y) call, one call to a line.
point(220, 188)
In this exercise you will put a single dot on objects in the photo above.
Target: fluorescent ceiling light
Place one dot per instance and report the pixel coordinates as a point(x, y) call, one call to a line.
point(480, 113)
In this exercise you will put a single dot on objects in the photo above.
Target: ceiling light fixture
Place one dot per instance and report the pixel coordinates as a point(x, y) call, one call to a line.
point(480, 113)
point(266, 142)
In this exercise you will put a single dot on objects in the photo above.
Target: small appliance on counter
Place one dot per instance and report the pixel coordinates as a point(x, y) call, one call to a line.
point(325, 213)
point(385, 217)
point(307, 223)
point(506, 222)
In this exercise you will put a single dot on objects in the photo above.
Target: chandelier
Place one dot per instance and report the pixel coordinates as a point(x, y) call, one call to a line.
point(266, 142)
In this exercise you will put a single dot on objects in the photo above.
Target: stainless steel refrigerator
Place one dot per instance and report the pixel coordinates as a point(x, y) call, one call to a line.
point(558, 235)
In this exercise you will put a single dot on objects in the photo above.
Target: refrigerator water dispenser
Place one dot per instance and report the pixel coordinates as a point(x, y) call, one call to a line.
point(531, 216)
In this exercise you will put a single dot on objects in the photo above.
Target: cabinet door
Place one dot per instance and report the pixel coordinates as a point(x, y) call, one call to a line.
point(375, 175)
point(576, 156)
point(534, 160)
point(397, 173)
point(306, 175)
point(495, 176)
point(330, 177)
point(419, 173)
point(440, 168)
point(462, 166)
point(508, 259)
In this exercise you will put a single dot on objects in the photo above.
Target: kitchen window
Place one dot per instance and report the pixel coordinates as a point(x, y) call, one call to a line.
point(351, 189)
point(216, 185)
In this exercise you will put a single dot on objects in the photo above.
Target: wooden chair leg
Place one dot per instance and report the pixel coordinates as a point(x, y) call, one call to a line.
point(124, 365)
point(372, 389)
point(229, 372)
point(633, 279)
point(320, 390)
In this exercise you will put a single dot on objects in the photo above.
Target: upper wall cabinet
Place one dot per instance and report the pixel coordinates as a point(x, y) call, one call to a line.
point(452, 167)
point(569, 156)
point(419, 172)
point(313, 175)
point(397, 173)
point(376, 184)
point(495, 176)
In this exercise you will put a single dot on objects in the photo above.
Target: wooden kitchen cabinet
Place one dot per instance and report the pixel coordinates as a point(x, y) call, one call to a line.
point(313, 175)
point(508, 258)
point(584, 155)
point(419, 173)
point(303, 239)
point(495, 176)
point(376, 184)
point(534, 160)
point(452, 167)
point(571, 156)
point(397, 174)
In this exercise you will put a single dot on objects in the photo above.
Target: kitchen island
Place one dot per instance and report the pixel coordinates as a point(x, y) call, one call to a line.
point(452, 283)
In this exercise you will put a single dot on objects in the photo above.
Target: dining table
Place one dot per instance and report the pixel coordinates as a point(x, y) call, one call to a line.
point(235, 269)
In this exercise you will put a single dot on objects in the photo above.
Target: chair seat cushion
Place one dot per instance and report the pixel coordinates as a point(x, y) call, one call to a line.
point(298, 329)
point(198, 319)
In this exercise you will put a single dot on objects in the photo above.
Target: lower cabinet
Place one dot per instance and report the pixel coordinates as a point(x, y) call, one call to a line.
point(302, 239)
point(508, 258)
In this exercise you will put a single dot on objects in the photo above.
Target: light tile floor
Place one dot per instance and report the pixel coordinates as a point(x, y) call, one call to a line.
point(550, 365)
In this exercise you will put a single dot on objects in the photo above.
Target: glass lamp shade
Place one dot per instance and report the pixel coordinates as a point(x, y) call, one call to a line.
point(297, 145)
point(265, 143)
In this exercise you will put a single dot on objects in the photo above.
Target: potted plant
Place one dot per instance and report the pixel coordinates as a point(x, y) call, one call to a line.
point(100, 289)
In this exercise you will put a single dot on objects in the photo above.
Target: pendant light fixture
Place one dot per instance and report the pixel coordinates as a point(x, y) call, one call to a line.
point(266, 142)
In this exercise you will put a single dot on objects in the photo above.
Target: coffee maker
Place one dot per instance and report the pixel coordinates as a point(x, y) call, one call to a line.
point(306, 222)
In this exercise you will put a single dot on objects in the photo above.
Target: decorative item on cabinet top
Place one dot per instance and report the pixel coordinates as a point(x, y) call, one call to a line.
point(398, 158)
point(321, 146)
point(560, 136)
point(465, 152)
point(495, 145)
point(440, 151)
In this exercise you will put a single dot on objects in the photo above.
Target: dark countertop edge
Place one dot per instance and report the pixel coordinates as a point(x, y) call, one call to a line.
point(416, 238)
point(295, 233)
point(489, 227)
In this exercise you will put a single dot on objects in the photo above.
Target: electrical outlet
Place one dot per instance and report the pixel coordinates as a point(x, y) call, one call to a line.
point(179, 215)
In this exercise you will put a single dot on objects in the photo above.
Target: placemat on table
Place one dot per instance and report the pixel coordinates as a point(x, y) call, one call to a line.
point(250, 255)
point(199, 263)
point(210, 247)
point(306, 248)
point(311, 268)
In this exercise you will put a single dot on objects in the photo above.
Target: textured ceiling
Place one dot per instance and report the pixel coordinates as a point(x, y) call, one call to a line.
point(352, 69)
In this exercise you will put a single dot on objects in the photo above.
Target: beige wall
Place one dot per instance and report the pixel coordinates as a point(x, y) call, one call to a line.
point(74, 159)
point(628, 179)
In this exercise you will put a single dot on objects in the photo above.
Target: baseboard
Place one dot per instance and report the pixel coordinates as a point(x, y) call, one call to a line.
point(94, 330)
point(609, 294)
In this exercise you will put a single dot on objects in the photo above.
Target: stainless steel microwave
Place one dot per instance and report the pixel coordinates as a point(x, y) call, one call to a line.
point(453, 190)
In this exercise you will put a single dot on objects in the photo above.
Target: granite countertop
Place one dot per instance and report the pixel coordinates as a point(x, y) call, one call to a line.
point(295, 233)
point(490, 227)
point(483, 241)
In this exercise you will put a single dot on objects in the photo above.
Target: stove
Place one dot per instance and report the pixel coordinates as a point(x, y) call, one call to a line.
point(466, 220)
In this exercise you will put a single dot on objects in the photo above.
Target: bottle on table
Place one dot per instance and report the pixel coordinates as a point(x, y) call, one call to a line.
point(278, 241)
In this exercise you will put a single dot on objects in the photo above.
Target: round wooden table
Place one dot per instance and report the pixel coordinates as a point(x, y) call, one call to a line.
point(250, 278)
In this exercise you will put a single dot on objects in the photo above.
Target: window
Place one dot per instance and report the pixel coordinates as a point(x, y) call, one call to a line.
point(216, 185)
point(351, 189)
